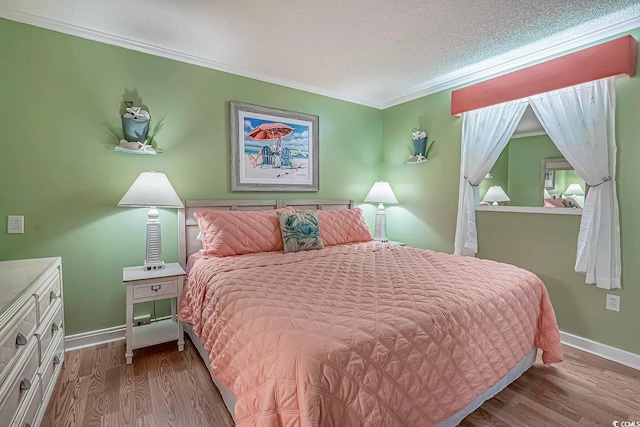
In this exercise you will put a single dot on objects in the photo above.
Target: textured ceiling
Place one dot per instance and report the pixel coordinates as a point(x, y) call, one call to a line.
point(374, 52)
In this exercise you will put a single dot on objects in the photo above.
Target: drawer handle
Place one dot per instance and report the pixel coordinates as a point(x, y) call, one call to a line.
point(53, 296)
point(21, 339)
point(27, 425)
point(56, 360)
point(54, 327)
point(25, 384)
point(156, 288)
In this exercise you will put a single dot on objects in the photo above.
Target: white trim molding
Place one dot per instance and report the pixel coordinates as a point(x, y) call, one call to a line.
point(92, 338)
point(116, 333)
point(126, 43)
point(601, 350)
point(492, 67)
point(97, 337)
point(531, 209)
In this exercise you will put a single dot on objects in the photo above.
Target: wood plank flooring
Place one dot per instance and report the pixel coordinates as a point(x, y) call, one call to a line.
point(162, 387)
point(166, 388)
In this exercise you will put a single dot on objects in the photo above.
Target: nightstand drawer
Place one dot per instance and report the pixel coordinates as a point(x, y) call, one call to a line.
point(166, 287)
point(16, 337)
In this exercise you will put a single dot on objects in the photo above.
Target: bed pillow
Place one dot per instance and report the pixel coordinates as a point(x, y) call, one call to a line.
point(226, 233)
point(300, 231)
point(342, 226)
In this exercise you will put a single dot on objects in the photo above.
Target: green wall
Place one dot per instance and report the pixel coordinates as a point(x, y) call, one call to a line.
point(56, 90)
point(544, 244)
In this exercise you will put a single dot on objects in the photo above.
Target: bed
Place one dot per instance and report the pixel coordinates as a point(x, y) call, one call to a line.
point(360, 333)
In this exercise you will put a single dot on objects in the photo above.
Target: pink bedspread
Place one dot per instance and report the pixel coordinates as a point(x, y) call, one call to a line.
point(366, 334)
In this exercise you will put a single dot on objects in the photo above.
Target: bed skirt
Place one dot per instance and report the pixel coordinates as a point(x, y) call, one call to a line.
point(455, 419)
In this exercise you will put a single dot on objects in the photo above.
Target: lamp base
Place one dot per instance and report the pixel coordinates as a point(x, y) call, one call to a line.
point(153, 260)
point(380, 233)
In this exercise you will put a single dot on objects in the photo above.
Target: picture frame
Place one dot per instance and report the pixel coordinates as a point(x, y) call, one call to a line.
point(549, 179)
point(273, 149)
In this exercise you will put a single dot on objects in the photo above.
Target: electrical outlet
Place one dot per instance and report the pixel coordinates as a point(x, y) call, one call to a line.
point(613, 302)
point(15, 224)
point(143, 319)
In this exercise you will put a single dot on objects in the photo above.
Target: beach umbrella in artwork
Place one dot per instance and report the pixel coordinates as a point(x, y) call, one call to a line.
point(270, 132)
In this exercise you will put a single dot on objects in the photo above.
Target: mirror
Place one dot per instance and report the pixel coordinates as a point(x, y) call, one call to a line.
point(531, 164)
point(563, 187)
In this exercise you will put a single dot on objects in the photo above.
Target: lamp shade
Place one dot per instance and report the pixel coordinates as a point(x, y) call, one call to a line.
point(546, 194)
point(381, 192)
point(151, 189)
point(495, 193)
point(574, 190)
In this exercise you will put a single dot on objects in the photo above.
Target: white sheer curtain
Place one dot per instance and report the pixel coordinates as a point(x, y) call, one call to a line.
point(580, 120)
point(485, 133)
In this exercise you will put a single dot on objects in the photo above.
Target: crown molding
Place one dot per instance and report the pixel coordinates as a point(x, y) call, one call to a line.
point(110, 39)
point(517, 59)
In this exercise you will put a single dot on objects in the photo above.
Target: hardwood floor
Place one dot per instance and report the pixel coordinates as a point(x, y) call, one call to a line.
point(166, 388)
point(162, 387)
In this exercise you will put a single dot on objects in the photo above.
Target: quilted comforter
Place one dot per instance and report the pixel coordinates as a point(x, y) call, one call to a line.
point(366, 334)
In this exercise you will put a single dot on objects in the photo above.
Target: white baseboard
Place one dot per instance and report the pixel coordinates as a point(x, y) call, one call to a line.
point(91, 338)
point(602, 350)
point(116, 333)
point(100, 336)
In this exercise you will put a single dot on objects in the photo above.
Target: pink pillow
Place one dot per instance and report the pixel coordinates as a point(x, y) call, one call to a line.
point(227, 233)
point(554, 203)
point(338, 227)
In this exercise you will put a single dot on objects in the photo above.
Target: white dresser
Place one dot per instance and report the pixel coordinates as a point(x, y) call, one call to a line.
point(31, 338)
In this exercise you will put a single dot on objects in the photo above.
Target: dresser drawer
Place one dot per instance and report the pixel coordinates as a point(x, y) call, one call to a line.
point(49, 328)
point(17, 387)
point(27, 416)
point(144, 291)
point(18, 334)
point(48, 293)
point(50, 369)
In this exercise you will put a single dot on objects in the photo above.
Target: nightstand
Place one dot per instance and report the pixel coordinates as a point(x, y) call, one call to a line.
point(153, 285)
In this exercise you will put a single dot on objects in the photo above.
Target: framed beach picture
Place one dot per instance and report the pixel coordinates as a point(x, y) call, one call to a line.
point(272, 149)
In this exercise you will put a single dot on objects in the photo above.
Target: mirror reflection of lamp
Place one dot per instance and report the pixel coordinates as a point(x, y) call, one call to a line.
point(495, 194)
point(574, 190)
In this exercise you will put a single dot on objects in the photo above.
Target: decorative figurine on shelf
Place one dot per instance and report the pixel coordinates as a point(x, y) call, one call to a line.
point(419, 149)
point(135, 127)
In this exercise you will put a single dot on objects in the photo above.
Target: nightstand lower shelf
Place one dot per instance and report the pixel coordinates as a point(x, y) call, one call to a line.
point(155, 333)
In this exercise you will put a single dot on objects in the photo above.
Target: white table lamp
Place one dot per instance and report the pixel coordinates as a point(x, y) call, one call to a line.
point(153, 190)
point(495, 194)
point(574, 190)
point(381, 193)
point(546, 194)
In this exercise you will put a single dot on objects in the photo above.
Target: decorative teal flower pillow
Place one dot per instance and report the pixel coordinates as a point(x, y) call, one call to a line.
point(300, 231)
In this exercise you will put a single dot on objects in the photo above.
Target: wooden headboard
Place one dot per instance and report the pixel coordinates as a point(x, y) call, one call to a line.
point(188, 227)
